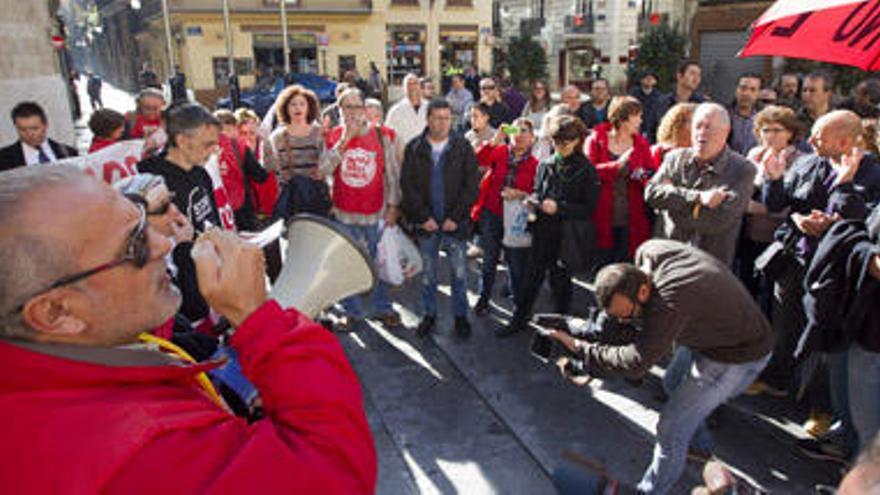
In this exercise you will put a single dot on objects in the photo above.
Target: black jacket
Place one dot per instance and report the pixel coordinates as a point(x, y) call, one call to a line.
point(12, 156)
point(588, 114)
point(572, 183)
point(840, 299)
point(804, 189)
point(499, 113)
point(461, 181)
point(652, 111)
point(193, 191)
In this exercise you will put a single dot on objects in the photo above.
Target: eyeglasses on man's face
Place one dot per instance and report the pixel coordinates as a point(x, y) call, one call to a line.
point(137, 252)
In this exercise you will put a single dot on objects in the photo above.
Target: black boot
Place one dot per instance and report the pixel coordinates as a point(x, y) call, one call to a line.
point(462, 327)
point(426, 326)
point(482, 306)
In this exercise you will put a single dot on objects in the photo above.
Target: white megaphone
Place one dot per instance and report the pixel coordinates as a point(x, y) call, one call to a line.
point(323, 265)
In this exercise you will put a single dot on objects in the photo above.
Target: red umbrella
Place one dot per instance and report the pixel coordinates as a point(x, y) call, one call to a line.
point(837, 31)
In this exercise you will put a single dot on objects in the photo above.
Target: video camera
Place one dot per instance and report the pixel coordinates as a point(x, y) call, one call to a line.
point(598, 327)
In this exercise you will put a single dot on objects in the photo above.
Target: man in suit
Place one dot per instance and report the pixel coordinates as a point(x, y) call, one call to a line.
point(33, 146)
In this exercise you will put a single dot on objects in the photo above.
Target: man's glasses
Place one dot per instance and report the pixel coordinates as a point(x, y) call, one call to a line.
point(487, 88)
point(137, 252)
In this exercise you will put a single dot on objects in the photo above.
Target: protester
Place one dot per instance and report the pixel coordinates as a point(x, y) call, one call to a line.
point(238, 169)
point(595, 111)
point(674, 131)
point(623, 162)
point(375, 84)
point(294, 152)
point(408, 117)
point(375, 112)
point(539, 103)
point(836, 182)
point(439, 181)
point(566, 190)
point(93, 88)
point(147, 116)
point(33, 145)
point(248, 129)
point(702, 192)
point(481, 130)
point(107, 127)
point(571, 96)
point(366, 189)
point(790, 91)
point(742, 114)
point(687, 80)
point(543, 147)
point(148, 78)
point(777, 129)
point(123, 418)
point(652, 104)
point(512, 178)
point(511, 96)
point(865, 99)
point(490, 96)
point(459, 98)
point(426, 84)
point(192, 138)
point(815, 99)
point(729, 335)
point(330, 117)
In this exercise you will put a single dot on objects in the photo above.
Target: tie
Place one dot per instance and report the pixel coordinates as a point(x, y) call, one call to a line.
point(43, 157)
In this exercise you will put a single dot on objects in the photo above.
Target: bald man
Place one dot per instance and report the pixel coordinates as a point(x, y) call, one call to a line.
point(838, 181)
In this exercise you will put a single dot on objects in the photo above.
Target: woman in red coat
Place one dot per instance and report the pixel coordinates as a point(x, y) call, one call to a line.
point(622, 158)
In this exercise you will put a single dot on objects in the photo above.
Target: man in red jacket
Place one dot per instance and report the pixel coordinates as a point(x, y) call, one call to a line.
point(86, 410)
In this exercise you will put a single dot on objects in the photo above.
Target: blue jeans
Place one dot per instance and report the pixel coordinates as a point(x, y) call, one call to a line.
point(678, 368)
point(518, 260)
point(456, 251)
point(368, 237)
point(864, 392)
point(707, 385)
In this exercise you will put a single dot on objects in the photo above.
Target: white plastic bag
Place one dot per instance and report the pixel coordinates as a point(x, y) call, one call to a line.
point(516, 222)
point(397, 258)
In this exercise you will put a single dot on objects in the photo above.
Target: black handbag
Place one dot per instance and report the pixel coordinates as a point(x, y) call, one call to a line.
point(778, 258)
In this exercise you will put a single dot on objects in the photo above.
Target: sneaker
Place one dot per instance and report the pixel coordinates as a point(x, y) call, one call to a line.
point(482, 306)
point(348, 324)
point(462, 327)
point(759, 387)
point(474, 251)
point(426, 326)
point(515, 326)
point(825, 451)
point(389, 319)
point(818, 424)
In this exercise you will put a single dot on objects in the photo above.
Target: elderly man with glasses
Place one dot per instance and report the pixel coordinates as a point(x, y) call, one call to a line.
point(366, 189)
point(84, 275)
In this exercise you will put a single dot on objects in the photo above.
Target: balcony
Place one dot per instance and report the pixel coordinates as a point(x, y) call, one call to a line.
point(580, 24)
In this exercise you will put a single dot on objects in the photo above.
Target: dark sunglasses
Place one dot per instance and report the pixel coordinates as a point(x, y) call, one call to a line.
point(487, 87)
point(137, 252)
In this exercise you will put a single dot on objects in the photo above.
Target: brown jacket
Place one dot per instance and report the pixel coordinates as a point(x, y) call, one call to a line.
point(697, 302)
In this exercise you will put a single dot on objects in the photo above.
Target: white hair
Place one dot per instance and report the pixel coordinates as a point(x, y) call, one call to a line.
point(708, 109)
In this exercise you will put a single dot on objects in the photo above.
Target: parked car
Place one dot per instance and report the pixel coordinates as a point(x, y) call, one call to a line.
point(261, 98)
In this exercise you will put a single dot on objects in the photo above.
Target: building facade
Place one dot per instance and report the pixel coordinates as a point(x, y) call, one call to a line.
point(30, 67)
point(326, 37)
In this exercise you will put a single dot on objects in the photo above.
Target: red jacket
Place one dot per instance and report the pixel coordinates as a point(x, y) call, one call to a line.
point(498, 158)
point(231, 173)
point(71, 425)
point(598, 153)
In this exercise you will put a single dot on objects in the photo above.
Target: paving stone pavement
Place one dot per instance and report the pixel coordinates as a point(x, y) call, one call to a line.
point(483, 416)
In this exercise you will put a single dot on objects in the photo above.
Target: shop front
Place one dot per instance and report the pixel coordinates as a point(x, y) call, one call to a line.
point(269, 53)
point(458, 45)
point(405, 51)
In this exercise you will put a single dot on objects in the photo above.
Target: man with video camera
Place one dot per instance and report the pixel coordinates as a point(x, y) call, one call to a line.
point(681, 295)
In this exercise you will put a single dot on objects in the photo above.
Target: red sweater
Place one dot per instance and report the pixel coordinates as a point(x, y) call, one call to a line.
point(75, 426)
point(600, 156)
point(497, 158)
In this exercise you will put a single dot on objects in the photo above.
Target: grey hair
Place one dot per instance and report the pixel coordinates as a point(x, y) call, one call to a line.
point(30, 262)
point(348, 93)
point(710, 109)
point(373, 103)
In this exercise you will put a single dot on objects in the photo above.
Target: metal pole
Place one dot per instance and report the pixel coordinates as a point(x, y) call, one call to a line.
point(167, 19)
point(228, 29)
point(284, 39)
point(234, 89)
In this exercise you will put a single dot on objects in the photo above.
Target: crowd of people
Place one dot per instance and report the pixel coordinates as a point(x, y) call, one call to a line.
point(740, 241)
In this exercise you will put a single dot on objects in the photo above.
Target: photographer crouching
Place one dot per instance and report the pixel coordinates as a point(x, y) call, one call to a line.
point(681, 295)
